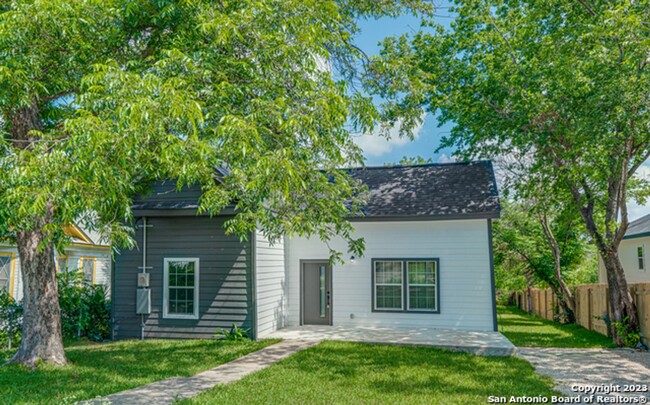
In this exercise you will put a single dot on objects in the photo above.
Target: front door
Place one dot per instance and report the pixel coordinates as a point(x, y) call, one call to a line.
point(316, 293)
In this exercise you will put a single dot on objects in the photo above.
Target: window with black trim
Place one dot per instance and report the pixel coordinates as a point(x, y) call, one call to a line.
point(640, 256)
point(405, 285)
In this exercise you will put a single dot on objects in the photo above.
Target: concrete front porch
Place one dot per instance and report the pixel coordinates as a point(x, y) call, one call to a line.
point(479, 343)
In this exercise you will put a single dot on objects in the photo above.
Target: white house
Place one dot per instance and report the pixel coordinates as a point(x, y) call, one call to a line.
point(86, 251)
point(427, 262)
point(633, 252)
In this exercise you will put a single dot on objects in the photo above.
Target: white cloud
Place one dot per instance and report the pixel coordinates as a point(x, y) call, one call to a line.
point(376, 145)
point(446, 158)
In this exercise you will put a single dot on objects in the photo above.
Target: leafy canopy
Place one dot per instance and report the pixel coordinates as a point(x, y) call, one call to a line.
point(560, 84)
point(126, 92)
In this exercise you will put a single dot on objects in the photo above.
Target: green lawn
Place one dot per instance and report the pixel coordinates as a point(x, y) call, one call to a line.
point(352, 373)
point(101, 369)
point(528, 330)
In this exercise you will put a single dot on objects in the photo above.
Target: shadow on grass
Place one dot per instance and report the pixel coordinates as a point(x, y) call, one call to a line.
point(338, 372)
point(527, 330)
point(101, 369)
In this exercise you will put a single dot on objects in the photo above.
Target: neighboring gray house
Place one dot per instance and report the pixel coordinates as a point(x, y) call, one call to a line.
point(86, 251)
point(428, 262)
point(633, 253)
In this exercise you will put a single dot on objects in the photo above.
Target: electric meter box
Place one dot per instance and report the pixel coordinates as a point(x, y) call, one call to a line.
point(143, 302)
point(143, 280)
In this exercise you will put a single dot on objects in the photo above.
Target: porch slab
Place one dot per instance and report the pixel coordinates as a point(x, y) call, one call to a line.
point(474, 342)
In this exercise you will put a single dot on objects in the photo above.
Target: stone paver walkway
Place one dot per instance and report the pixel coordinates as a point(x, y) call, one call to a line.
point(172, 389)
point(475, 342)
point(576, 370)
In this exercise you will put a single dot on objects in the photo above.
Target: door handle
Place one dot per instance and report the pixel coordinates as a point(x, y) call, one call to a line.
point(328, 300)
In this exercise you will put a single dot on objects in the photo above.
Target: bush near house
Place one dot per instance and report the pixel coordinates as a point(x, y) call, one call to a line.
point(85, 311)
point(85, 308)
point(10, 319)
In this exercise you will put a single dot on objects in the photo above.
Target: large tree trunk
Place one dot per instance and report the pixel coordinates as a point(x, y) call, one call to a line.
point(621, 303)
point(42, 339)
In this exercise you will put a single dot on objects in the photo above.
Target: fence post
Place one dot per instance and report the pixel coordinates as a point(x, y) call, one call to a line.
point(589, 309)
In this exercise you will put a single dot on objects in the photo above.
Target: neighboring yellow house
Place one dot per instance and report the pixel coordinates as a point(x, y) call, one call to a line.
point(633, 253)
point(86, 251)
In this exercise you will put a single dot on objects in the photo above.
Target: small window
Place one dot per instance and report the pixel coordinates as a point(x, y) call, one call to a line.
point(61, 264)
point(6, 272)
point(405, 285)
point(640, 255)
point(87, 265)
point(181, 288)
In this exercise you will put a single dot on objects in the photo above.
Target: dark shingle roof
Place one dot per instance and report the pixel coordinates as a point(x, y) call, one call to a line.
point(467, 190)
point(431, 191)
point(638, 228)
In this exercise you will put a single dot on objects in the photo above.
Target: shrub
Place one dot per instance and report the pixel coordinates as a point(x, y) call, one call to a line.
point(235, 333)
point(85, 309)
point(11, 319)
point(629, 337)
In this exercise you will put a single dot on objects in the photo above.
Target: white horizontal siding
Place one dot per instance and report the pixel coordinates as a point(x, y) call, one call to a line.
point(628, 256)
point(269, 285)
point(465, 278)
point(102, 256)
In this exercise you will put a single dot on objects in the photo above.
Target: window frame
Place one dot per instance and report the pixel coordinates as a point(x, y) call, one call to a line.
point(12, 271)
point(642, 257)
point(405, 284)
point(166, 314)
point(82, 259)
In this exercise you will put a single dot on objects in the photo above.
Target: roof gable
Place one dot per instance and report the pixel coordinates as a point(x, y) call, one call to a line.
point(446, 190)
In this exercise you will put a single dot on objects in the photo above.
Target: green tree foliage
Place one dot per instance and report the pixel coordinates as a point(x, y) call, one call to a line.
point(523, 257)
point(100, 97)
point(561, 85)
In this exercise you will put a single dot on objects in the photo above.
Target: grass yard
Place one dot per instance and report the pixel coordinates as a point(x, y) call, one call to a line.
point(353, 373)
point(528, 330)
point(98, 369)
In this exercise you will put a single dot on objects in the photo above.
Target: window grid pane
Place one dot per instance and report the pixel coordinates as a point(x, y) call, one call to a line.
point(88, 267)
point(62, 264)
point(421, 285)
point(388, 285)
point(181, 287)
point(5, 272)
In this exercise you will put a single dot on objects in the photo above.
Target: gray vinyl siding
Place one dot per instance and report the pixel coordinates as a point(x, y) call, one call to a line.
point(225, 285)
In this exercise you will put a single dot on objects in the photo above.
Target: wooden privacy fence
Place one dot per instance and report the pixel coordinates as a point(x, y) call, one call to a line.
point(592, 305)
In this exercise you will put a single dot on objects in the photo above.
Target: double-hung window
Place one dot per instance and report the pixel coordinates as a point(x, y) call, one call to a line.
point(181, 288)
point(6, 272)
point(640, 256)
point(87, 265)
point(62, 264)
point(405, 285)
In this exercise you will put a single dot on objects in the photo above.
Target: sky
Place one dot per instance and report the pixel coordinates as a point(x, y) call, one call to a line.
point(379, 151)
